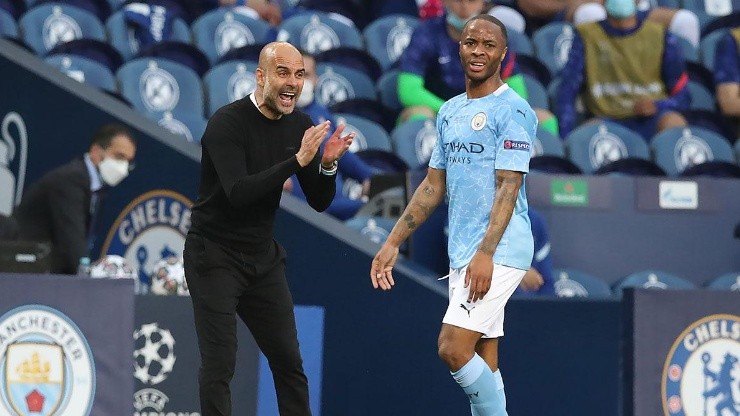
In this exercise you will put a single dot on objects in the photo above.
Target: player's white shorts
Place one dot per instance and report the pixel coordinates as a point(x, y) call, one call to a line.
point(484, 315)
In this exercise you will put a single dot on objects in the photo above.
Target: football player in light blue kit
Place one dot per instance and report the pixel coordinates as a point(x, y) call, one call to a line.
point(479, 163)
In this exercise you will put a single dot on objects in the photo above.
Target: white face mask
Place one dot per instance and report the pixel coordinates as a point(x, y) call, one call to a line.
point(306, 96)
point(113, 171)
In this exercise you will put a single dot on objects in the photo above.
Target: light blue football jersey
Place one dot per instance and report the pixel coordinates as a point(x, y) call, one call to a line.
point(476, 137)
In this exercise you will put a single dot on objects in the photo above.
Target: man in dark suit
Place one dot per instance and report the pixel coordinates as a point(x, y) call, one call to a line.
point(60, 208)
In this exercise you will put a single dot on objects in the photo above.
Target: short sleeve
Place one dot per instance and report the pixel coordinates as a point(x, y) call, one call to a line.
point(438, 159)
point(515, 141)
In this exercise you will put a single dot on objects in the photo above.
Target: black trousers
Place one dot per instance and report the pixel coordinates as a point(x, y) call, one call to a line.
point(223, 283)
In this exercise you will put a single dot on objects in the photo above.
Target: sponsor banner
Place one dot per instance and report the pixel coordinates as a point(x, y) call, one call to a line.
point(63, 346)
point(678, 195)
point(699, 194)
point(683, 353)
point(569, 192)
point(581, 192)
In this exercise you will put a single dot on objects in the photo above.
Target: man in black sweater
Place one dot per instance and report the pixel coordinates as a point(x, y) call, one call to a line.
point(233, 265)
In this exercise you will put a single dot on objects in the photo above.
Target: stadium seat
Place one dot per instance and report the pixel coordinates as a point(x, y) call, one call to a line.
point(368, 134)
point(652, 279)
point(228, 82)
point(175, 51)
point(95, 50)
point(15, 8)
point(536, 92)
point(680, 148)
point(690, 52)
point(317, 31)
point(387, 89)
point(338, 83)
point(674, 4)
point(84, 70)
point(708, 47)
point(725, 22)
point(157, 85)
point(100, 8)
point(711, 120)
point(222, 30)
point(388, 204)
point(548, 155)
point(552, 44)
point(121, 34)
point(520, 43)
point(571, 283)
point(8, 27)
point(707, 11)
point(547, 144)
point(244, 53)
point(376, 229)
point(532, 66)
point(369, 109)
point(413, 141)
point(387, 37)
point(350, 57)
point(593, 145)
point(729, 281)
point(191, 126)
point(49, 24)
point(701, 97)
point(714, 168)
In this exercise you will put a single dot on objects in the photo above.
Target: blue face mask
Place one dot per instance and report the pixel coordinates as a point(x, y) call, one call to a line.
point(620, 9)
point(456, 21)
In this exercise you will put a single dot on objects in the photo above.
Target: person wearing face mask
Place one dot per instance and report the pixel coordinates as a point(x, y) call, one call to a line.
point(342, 207)
point(61, 208)
point(630, 70)
point(431, 71)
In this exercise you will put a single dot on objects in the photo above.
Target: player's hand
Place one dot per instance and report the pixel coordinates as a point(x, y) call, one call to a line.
point(381, 270)
point(310, 143)
point(336, 146)
point(532, 280)
point(478, 276)
point(645, 107)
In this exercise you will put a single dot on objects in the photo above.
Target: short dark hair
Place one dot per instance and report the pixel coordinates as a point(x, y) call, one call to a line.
point(491, 19)
point(105, 134)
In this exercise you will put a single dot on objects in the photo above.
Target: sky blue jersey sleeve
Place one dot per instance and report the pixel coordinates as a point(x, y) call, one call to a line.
point(518, 127)
point(438, 160)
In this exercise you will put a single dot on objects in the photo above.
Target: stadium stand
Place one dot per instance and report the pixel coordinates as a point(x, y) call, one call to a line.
point(317, 31)
point(49, 24)
point(387, 37)
point(228, 82)
point(594, 145)
point(84, 70)
point(678, 149)
point(413, 142)
point(652, 279)
point(339, 83)
point(729, 281)
point(368, 134)
point(221, 30)
point(572, 283)
point(8, 26)
point(122, 34)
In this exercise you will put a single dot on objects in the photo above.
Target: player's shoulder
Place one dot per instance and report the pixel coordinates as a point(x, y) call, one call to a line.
point(452, 103)
point(518, 104)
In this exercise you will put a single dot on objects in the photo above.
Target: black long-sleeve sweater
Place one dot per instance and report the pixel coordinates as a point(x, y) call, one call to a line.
point(246, 159)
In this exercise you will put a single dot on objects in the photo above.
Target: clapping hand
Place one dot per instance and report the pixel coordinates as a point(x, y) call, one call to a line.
point(310, 143)
point(336, 145)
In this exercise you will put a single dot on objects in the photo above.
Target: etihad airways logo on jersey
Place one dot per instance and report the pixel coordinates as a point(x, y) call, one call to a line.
point(458, 152)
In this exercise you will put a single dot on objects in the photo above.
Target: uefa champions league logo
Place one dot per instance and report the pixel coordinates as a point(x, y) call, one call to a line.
point(13, 160)
point(701, 375)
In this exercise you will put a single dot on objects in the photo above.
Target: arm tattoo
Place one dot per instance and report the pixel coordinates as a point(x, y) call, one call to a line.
point(410, 221)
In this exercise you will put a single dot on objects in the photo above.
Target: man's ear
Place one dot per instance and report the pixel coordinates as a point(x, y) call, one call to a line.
point(97, 153)
point(260, 75)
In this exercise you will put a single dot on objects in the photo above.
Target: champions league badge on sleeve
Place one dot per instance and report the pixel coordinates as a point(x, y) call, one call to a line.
point(152, 227)
point(701, 375)
point(46, 366)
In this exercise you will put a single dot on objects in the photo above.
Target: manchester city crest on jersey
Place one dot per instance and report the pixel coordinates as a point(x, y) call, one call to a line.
point(152, 227)
point(605, 147)
point(478, 121)
point(701, 375)
point(46, 366)
point(158, 89)
point(691, 150)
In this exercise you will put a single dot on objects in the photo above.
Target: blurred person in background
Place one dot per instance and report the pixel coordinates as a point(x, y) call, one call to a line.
point(727, 76)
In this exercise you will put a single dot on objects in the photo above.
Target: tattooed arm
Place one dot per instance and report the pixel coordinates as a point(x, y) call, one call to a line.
point(427, 197)
point(480, 270)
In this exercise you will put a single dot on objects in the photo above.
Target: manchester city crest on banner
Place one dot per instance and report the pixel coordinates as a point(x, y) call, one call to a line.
point(46, 367)
point(152, 227)
point(701, 375)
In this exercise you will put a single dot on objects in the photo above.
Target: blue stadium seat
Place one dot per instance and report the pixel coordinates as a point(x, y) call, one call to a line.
point(368, 134)
point(221, 30)
point(532, 66)
point(690, 52)
point(180, 52)
point(84, 70)
point(369, 109)
point(387, 89)
point(701, 97)
point(520, 43)
point(387, 37)
point(708, 11)
point(350, 57)
point(547, 144)
point(708, 47)
point(376, 229)
point(100, 8)
point(713, 121)
point(729, 281)
point(572, 283)
point(594, 145)
point(190, 126)
point(8, 27)
point(157, 85)
point(679, 148)
point(15, 8)
point(317, 31)
point(552, 44)
point(121, 36)
point(49, 24)
point(244, 53)
point(338, 83)
point(95, 50)
point(536, 92)
point(413, 141)
point(228, 82)
point(652, 279)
